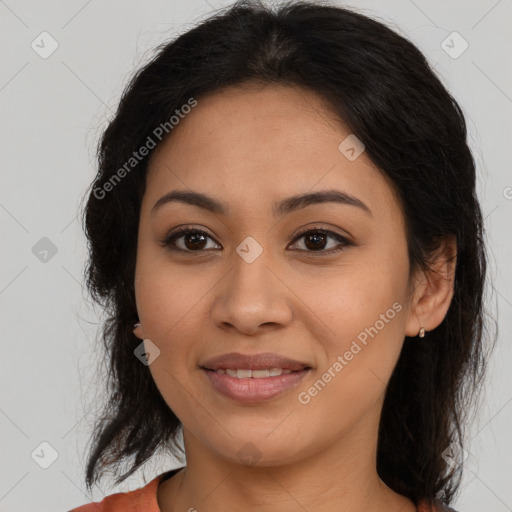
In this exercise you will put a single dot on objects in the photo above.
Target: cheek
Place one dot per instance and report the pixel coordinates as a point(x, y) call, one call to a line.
point(356, 365)
point(169, 297)
point(361, 310)
point(169, 305)
point(353, 297)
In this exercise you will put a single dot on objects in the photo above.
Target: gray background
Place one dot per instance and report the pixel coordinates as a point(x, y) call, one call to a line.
point(54, 109)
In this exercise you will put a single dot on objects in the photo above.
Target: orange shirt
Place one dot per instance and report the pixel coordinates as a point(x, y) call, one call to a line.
point(144, 500)
point(140, 500)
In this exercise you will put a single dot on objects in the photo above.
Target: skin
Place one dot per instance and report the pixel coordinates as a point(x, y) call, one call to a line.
point(251, 146)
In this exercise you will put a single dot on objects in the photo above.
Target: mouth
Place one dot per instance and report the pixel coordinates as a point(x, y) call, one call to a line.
point(244, 373)
point(234, 361)
point(252, 386)
point(252, 378)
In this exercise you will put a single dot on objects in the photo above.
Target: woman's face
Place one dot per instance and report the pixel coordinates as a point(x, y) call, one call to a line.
point(253, 283)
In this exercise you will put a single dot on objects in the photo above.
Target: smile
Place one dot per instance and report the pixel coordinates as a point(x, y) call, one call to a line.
point(251, 386)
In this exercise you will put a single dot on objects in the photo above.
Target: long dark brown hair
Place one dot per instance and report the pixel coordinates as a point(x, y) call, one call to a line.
point(382, 87)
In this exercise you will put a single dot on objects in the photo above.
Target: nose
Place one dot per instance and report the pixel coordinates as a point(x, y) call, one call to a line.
point(252, 297)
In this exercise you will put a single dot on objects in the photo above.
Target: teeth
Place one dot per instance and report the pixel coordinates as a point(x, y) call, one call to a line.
point(260, 373)
point(255, 374)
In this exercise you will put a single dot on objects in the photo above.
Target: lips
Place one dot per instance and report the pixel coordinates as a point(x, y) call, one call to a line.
point(262, 361)
point(254, 390)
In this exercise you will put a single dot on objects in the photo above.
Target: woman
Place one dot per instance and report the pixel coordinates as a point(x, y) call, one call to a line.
point(285, 232)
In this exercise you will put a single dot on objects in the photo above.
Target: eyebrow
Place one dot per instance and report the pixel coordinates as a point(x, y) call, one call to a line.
point(280, 208)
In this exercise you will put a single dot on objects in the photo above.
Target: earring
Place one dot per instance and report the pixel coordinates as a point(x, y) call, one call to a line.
point(136, 324)
point(421, 334)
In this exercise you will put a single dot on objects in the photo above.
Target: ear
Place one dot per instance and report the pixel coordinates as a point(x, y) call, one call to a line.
point(433, 290)
point(137, 330)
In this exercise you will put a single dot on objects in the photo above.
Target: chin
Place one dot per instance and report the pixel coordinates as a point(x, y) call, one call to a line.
point(259, 452)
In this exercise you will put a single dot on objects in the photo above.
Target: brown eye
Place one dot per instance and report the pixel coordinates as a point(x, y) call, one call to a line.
point(317, 240)
point(194, 240)
point(191, 240)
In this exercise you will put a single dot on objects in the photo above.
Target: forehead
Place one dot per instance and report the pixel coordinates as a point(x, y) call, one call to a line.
point(271, 117)
point(261, 142)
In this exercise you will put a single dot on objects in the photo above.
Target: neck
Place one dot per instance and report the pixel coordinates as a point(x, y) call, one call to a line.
point(340, 478)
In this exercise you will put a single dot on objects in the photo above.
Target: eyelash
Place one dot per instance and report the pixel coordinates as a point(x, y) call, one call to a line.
point(168, 241)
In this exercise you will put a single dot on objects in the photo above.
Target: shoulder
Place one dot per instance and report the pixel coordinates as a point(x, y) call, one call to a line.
point(139, 500)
